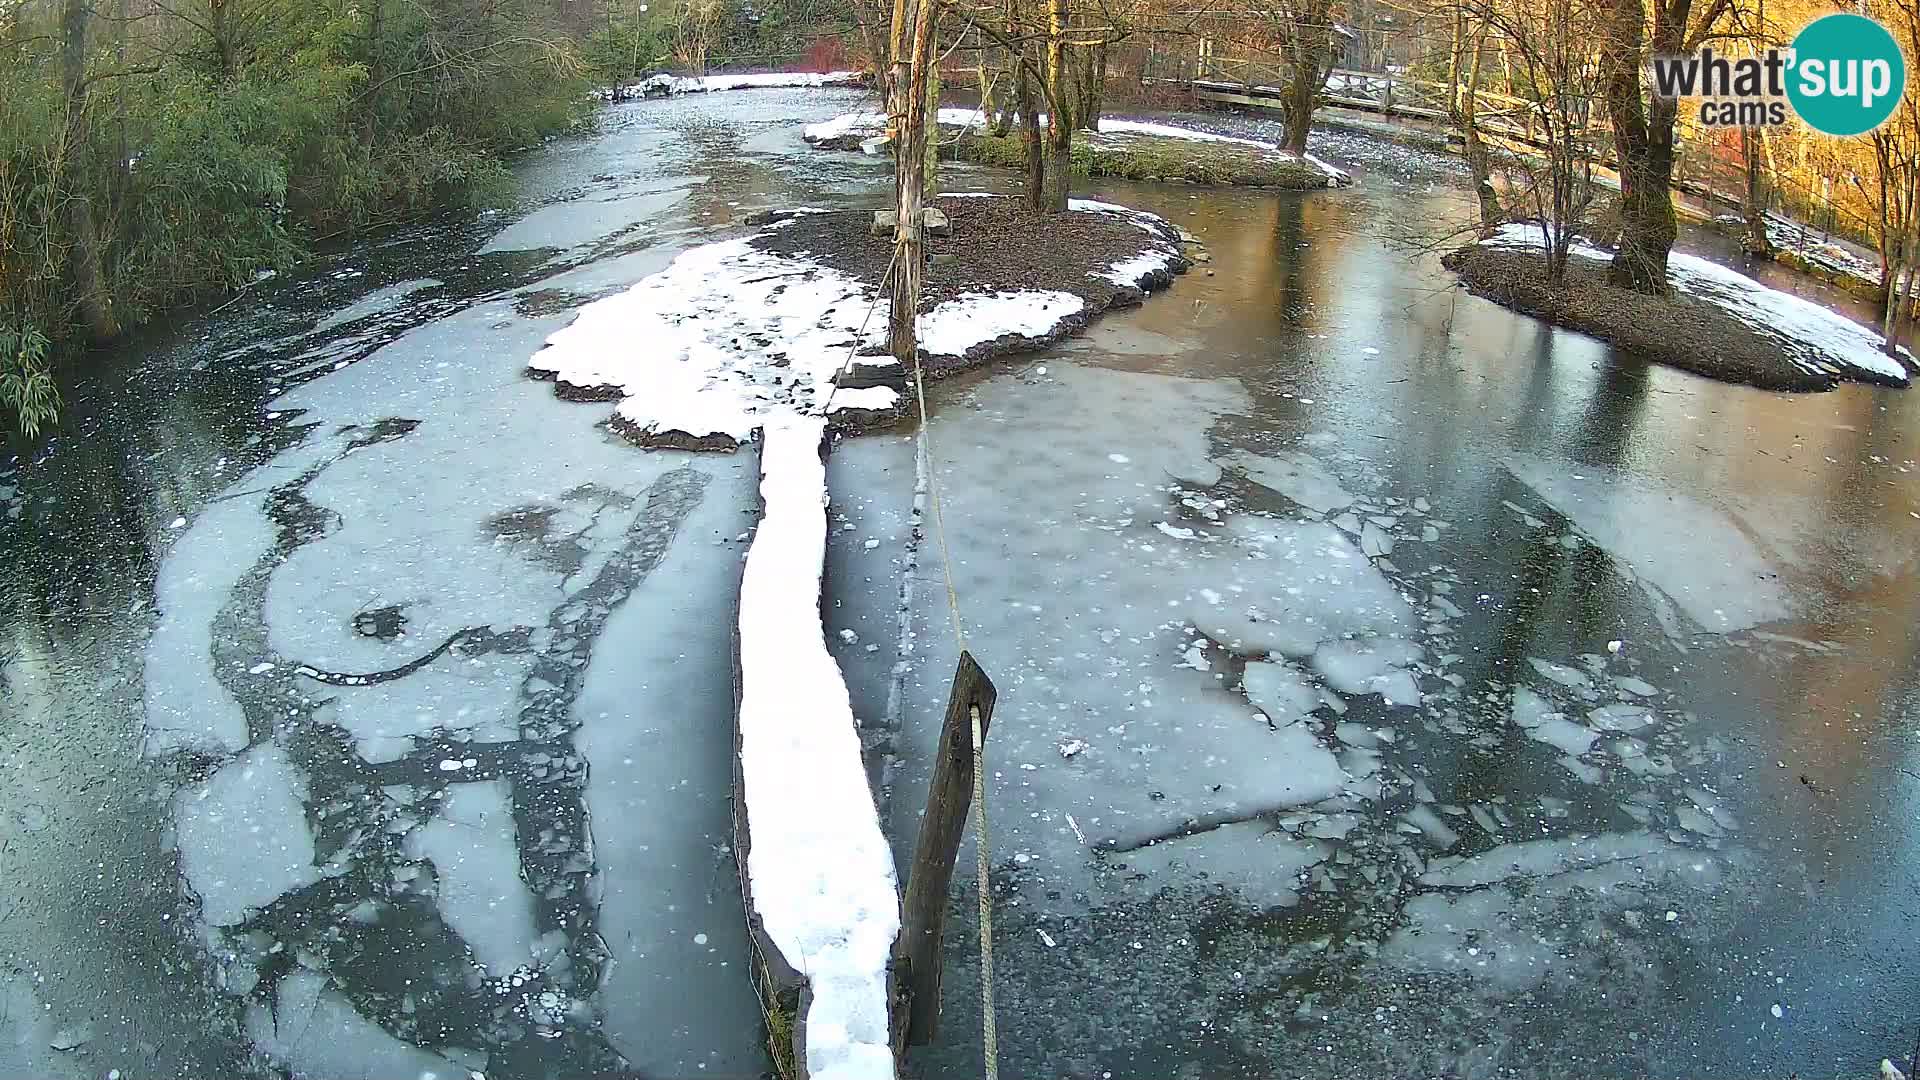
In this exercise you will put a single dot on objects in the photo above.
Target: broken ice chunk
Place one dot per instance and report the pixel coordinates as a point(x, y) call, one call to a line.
point(1375, 541)
point(1279, 691)
point(1620, 717)
point(1299, 477)
point(1560, 673)
point(1371, 666)
point(1244, 635)
point(1423, 818)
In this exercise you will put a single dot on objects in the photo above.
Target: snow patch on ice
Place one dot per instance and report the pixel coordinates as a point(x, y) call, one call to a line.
point(956, 325)
point(723, 338)
point(186, 706)
point(821, 873)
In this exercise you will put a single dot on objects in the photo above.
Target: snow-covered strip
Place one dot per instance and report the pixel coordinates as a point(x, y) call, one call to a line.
point(1815, 338)
point(821, 875)
point(1136, 271)
point(701, 84)
point(873, 123)
point(870, 123)
point(1787, 234)
point(710, 347)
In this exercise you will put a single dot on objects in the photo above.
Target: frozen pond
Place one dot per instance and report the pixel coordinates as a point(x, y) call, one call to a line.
point(1389, 685)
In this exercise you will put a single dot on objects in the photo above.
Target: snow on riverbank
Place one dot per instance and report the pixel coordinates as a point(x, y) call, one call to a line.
point(668, 85)
point(871, 123)
point(820, 872)
point(1816, 339)
point(730, 337)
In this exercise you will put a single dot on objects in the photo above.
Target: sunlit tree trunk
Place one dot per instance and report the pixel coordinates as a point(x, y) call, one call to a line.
point(1643, 142)
point(1060, 108)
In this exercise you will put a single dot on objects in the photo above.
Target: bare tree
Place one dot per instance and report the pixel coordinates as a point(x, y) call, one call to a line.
point(1551, 45)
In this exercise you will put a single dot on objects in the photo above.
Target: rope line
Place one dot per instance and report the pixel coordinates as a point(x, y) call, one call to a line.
point(833, 388)
point(989, 1032)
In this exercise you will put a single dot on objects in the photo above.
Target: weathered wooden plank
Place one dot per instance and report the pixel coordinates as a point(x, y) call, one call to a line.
point(916, 956)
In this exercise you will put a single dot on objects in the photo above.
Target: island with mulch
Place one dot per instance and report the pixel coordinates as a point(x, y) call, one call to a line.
point(790, 321)
point(1123, 149)
point(1717, 322)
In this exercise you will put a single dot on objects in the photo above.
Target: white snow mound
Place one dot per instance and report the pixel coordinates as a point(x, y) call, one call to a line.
point(821, 874)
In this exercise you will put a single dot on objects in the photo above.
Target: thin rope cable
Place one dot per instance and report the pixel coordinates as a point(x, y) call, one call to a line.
point(827, 409)
point(989, 1031)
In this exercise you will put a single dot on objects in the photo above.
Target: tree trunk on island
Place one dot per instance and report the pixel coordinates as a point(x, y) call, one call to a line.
point(1091, 86)
point(1643, 141)
point(1464, 102)
point(912, 71)
point(1060, 110)
point(1027, 98)
point(1309, 49)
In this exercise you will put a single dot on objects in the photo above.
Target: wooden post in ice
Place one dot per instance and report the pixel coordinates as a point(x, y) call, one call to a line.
point(916, 955)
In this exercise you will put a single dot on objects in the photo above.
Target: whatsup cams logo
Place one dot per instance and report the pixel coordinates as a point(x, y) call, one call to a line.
point(1843, 75)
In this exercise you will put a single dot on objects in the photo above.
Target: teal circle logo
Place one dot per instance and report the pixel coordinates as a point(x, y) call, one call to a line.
point(1847, 75)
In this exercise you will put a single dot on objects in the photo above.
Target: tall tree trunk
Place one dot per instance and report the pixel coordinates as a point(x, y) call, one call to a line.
point(1096, 90)
point(910, 160)
point(84, 260)
point(1756, 241)
point(1089, 83)
point(1479, 161)
point(220, 28)
point(1060, 107)
point(930, 96)
point(990, 94)
point(1643, 145)
point(1028, 100)
point(1309, 38)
